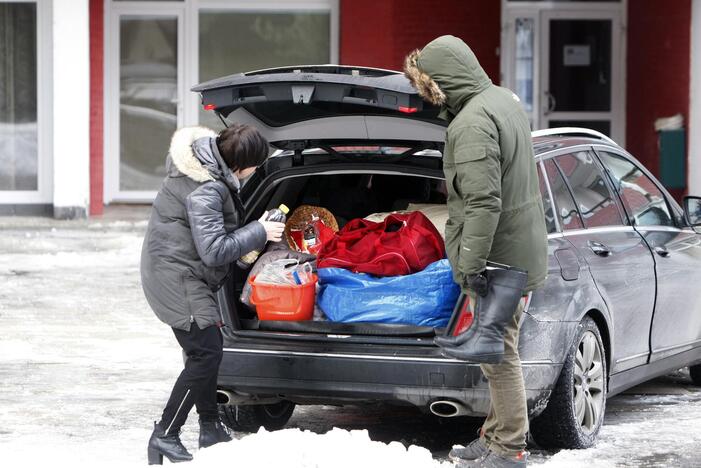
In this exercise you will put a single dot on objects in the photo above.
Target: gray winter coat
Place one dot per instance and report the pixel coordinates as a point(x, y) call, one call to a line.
point(193, 235)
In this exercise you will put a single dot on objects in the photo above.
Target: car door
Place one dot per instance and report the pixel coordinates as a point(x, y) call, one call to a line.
point(619, 260)
point(676, 326)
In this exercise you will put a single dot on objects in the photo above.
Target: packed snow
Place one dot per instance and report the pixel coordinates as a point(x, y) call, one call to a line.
point(85, 368)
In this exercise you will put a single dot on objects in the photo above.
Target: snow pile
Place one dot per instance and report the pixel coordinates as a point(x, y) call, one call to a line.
point(292, 448)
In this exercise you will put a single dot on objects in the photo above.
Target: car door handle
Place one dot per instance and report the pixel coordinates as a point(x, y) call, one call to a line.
point(662, 252)
point(599, 249)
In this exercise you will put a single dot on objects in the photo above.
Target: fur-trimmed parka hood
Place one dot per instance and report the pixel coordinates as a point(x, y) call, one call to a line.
point(446, 73)
point(194, 153)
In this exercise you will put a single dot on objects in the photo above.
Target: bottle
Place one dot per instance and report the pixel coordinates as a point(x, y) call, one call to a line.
point(278, 215)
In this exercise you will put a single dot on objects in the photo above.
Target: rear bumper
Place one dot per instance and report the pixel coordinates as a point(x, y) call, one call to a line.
point(332, 378)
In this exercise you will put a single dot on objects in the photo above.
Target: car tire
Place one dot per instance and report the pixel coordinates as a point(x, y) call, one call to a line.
point(250, 418)
point(574, 414)
point(695, 373)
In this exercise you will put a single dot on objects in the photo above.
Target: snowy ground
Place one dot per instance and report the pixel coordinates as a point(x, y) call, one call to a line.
point(85, 367)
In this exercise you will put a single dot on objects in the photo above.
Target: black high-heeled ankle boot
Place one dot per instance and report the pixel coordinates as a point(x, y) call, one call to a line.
point(213, 432)
point(170, 446)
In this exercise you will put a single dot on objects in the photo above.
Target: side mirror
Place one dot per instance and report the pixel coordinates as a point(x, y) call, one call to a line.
point(692, 211)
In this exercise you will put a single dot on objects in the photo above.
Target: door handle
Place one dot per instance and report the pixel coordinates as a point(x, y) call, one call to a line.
point(662, 252)
point(551, 103)
point(599, 249)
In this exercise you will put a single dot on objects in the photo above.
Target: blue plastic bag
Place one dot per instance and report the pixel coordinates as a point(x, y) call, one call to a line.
point(425, 298)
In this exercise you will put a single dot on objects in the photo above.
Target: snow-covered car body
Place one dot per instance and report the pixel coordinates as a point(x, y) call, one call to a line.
point(622, 256)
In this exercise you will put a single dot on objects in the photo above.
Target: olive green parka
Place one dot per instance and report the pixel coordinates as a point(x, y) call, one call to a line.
point(494, 202)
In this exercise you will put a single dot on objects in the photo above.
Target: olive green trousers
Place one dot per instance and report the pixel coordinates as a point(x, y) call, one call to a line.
point(504, 430)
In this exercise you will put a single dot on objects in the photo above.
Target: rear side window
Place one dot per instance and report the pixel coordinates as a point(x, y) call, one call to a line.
point(593, 197)
point(547, 203)
point(564, 204)
point(644, 202)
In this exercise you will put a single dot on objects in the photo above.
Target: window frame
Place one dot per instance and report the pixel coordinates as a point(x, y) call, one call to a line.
point(569, 190)
point(44, 102)
point(187, 12)
point(674, 210)
point(605, 177)
point(540, 163)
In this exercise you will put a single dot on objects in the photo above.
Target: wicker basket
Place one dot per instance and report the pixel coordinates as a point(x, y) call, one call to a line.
point(302, 216)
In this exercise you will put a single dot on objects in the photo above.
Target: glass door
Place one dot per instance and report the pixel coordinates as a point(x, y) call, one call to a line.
point(25, 150)
point(581, 79)
point(566, 65)
point(145, 99)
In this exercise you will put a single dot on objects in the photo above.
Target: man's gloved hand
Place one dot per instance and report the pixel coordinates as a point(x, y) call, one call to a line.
point(478, 283)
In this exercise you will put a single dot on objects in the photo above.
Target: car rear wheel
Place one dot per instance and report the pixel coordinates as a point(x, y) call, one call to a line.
point(695, 372)
point(576, 408)
point(250, 418)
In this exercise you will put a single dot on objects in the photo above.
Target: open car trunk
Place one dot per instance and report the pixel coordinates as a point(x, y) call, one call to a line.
point(353, 140)
point(351, 193)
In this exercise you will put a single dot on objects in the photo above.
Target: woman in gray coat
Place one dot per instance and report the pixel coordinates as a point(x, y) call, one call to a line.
point(192, 238)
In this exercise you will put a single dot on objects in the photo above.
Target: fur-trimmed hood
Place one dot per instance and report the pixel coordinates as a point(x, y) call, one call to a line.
point(194, 153)
point(446, 73)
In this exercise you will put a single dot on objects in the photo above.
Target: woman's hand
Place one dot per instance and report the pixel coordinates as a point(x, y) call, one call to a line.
point(273, 229)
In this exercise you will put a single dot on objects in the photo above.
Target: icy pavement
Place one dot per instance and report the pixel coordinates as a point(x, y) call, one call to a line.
point(85, 367)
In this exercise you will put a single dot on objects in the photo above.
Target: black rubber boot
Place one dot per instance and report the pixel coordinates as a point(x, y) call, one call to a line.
point(472, 451)
point(213, 432)
point(483, 342)
point(160, 445)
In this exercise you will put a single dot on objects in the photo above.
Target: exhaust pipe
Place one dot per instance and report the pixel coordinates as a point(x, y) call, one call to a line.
point(447, 408)
point(225, 397)
point(233, 398)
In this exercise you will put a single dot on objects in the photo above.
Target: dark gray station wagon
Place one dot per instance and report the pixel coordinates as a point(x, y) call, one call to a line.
point(622, 303)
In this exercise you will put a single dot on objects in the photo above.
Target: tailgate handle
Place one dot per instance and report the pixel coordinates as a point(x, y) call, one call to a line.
point(302, 94)
point(358, 100)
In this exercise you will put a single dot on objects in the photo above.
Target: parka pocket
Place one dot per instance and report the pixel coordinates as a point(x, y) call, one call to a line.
point(469, 154)
point(186, 293)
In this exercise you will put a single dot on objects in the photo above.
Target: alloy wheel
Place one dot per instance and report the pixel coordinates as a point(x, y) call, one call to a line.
point(589, 383)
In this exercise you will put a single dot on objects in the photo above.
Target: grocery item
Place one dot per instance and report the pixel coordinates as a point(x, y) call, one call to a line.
point(285, 271)
point(309, 227)
point(279, 215)
point(276, 251)
point(284, 291)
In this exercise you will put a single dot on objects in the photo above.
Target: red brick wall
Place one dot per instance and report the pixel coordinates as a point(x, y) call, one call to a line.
point(659, 40)
point(96, 106)
point(380, 33)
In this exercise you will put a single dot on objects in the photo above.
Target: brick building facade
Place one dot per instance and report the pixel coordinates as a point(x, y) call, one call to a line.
point(144, 56)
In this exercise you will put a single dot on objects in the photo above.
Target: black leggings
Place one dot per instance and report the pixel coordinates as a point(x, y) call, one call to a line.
point(197, 383)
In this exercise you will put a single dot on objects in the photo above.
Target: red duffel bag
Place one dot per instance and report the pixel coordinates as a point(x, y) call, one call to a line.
point(400, 245)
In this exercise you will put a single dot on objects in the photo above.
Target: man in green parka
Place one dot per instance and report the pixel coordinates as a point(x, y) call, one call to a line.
point(495, 213)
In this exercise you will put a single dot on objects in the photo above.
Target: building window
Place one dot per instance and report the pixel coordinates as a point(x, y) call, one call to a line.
point(151, 65)
point(148, 80)
point(525, 33)
point(18, 97)
point(227, 39)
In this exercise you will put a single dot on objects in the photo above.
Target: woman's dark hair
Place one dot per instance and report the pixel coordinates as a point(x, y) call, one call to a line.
point(242, 146)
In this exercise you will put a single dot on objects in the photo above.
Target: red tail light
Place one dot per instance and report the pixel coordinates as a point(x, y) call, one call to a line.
point(465, 318)
point(407, 110)
point(209, 107)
